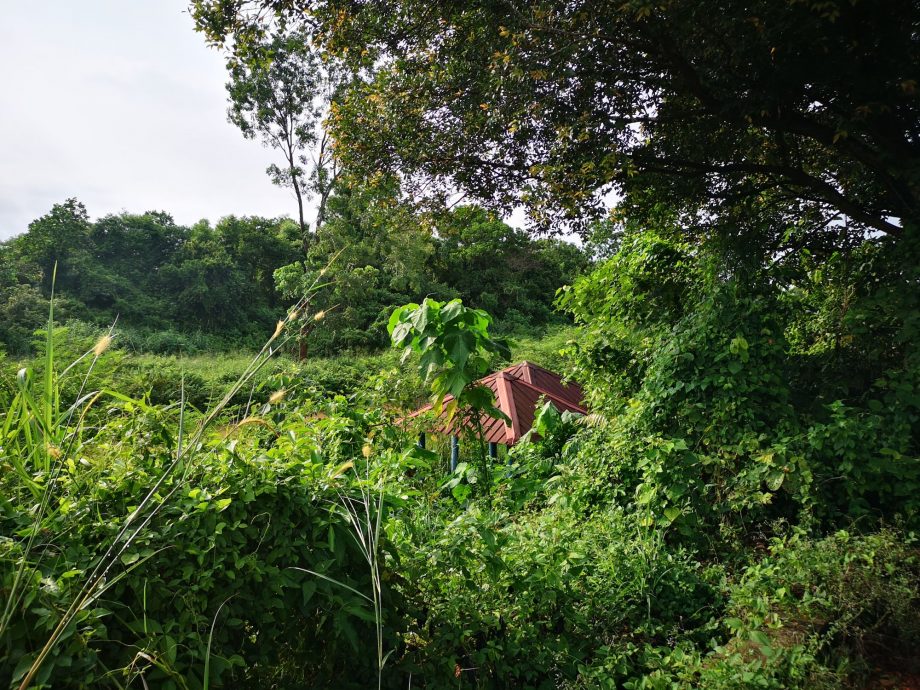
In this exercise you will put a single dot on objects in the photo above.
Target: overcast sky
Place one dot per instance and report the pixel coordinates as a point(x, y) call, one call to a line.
point(120, 104)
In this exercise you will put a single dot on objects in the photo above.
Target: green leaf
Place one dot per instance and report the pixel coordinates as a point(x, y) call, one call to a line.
point(396, 316)
point(671, 513)
point(458, 346)
point(169, 649)
point(400, 333)
point(452, 310)
point(422, 316)
point(461, 492)
point(645, 493)
point(774, 480)
point(455, 382)
point(307, 590)
point(758, 637)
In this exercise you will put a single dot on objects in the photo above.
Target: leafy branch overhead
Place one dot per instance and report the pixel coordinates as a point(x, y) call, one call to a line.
point(806, 112)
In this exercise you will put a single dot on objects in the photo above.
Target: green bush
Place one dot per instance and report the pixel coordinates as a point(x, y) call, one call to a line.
point(220, 568)
point(707, 420)
point(525, 601)
point(833, 612)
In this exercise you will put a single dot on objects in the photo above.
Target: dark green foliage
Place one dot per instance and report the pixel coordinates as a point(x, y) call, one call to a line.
point(387, 254)
point(180, 291)
point(24, 310)
point(738, 400)
point(823, 613)
point(803, 110)
point(56, 238)
point(383, 258)
point(569, 570)
point(172, 289)
point(500, 269)
point(529, 601)
point(229, 538)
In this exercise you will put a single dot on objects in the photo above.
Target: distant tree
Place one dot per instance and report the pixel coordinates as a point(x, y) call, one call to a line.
point(129, 253)
point(221, 280)
point(279, 90)
point(388, 253)
point(225, 284)
point(23, 310)
point(383, 253)
point(58, 237)
point(501, 269)
point(148, 272)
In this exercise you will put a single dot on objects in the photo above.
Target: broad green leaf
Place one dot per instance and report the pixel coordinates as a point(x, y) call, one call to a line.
point(671, 513)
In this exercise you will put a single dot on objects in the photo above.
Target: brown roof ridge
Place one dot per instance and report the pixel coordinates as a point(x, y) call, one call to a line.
point(506, 404)
point(530, 364)
point(553, 396)
point(517, 388)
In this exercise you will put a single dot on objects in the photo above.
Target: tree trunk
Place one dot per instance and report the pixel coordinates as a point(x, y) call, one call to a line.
point(303, 351)
point(304, 235)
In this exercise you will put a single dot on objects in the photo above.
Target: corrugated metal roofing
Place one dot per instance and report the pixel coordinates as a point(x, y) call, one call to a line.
point(517, 389)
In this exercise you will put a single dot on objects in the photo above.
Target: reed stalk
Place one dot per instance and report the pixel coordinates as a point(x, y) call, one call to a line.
point(148, 507)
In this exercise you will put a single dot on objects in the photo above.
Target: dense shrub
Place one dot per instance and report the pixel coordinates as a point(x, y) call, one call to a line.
point(712, 423)
point(500, 600)
point(839, 611)
point(213, 577)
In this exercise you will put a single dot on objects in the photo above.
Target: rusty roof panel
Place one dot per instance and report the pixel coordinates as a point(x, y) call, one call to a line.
point(517, 391)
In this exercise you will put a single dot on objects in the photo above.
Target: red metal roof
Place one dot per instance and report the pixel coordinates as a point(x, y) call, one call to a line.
point(517, 389)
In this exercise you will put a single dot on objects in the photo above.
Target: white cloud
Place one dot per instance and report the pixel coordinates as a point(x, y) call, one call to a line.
point(120, 104)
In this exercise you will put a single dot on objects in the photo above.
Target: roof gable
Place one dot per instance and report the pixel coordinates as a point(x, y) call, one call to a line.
point(517, 390)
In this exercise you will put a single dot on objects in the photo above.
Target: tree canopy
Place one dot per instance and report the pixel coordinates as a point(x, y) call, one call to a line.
point(175, 288)
point(278, 92)
point(803, 110)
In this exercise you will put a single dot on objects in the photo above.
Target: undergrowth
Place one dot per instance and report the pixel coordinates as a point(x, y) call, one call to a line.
point(724, 518)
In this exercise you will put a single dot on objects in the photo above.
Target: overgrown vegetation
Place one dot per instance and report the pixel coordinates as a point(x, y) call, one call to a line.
point(689, 532)
point(740, 507)
point(177, 290)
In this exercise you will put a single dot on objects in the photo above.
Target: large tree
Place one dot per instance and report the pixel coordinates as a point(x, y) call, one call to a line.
point(804, 110)
point(279, 91)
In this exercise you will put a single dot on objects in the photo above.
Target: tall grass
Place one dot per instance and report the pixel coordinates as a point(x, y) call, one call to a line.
point(364, 513)
point(366, 516)
point(44, 437)
point(38, 437)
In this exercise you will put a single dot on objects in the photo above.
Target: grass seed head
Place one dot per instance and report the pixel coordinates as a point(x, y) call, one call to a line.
point(102, 344)
point(341, 469)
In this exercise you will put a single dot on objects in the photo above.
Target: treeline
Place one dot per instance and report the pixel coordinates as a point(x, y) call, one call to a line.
point(165, 283)
point(173, 288)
